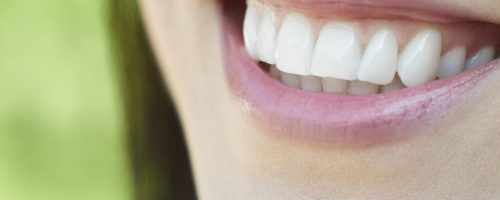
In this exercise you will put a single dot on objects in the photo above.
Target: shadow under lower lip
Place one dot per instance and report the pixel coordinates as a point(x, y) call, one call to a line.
point(331, 118)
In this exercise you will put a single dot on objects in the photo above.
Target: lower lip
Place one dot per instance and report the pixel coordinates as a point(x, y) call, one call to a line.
point(343, 120)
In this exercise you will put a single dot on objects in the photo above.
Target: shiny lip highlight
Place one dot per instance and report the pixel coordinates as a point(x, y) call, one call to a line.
point(332, 118)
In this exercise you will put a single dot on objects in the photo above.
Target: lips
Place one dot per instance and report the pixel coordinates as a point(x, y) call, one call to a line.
point(430, 10)
point(338, 118)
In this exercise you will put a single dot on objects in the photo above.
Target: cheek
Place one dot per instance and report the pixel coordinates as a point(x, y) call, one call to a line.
point(185, 35)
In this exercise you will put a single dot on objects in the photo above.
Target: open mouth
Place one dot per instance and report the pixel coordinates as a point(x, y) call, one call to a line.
point(353, 72)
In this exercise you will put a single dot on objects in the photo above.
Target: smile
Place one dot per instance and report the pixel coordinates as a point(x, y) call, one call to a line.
point(353, 72)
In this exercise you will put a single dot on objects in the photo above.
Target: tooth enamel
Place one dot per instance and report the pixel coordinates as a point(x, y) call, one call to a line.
point(337, 53)
point(380, 58)
point(336, 61)
point(274, 72)
point(294, 45)
point(362, 88)
point(334, 85)
point(266, 35)
point(418, 64)
point(291, 80)
point(483, 56)
point(452, 62)
point(250, 26)
point(394, 85)
point(310, 83)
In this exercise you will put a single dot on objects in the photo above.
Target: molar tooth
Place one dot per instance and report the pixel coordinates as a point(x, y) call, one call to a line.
point(380, 58)
point(394, 85)
point(334, 85)
point(337, 53)
point(294, 45)
point(483, 56)
point(291, 80)
point(266, 35)
point(418, 64)
point(362, 88)
point(250, 26)
point(311, 83)
point(452, 62)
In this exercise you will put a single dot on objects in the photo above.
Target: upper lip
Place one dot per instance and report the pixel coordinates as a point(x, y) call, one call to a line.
point(333, 118)
point(432, 10)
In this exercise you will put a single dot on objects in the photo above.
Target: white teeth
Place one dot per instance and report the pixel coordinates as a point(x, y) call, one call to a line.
point(380, 58)
point(394, 85)
point(336, 62)
point(291, 80)
point(250, 26)
point(334, 85)
point(362, 88)
point(310, 83)
point(419, 61)
point(452, 62)
point(337, 53)
point(266, 35)
point(483, 56)
point(294, 45)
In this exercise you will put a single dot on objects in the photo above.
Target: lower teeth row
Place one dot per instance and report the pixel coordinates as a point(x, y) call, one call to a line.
point(332, 85)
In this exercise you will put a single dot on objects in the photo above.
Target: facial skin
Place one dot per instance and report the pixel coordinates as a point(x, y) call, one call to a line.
point(234, 158)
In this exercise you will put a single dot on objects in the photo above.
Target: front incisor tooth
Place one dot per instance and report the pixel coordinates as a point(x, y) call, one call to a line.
point(418, 64)
point(294, 45)
point(452, 62)
point(290, 80)
point(266, 35)
point(250, 26)
point(334, 85)
point(310, 83)
point(483, 56)
point(379, 62)
point(362, 88)
point(337, 53)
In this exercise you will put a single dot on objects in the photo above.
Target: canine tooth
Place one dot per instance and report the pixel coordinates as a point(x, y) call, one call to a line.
point(452, 62)
point(379, 62)
point(310, 83)
point(291, 80)
point(483, 56)
point(266, 35)
point(361, 88)
point(418, 64)
point(250, 26)
point(294, 45)
point(394, 85)
point(274, 72)
point(337, 53)
point(334, 85)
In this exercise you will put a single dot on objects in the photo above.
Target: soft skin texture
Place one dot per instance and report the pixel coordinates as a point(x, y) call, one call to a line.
point(455, 157)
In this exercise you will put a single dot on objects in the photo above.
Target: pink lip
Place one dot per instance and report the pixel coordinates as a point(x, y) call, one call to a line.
point(333, 118)
point(429, 10)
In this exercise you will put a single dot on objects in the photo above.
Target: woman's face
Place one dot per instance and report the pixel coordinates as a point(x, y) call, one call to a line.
point(351, 99)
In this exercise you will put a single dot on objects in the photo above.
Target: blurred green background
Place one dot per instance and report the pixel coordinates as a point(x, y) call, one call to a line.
point(61, 120)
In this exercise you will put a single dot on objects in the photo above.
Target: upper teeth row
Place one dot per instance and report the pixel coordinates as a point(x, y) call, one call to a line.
point(338, 52)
